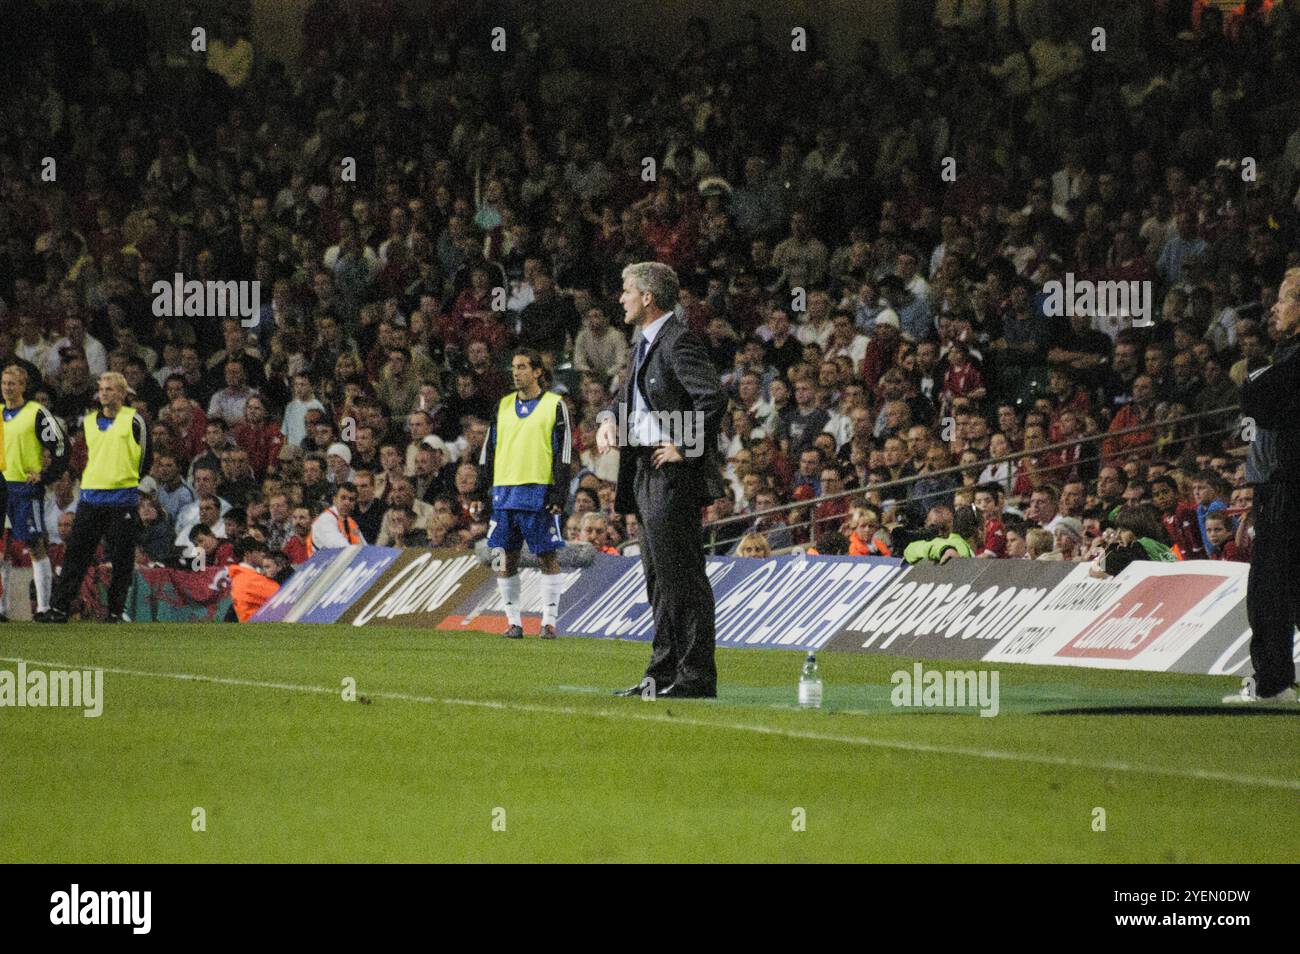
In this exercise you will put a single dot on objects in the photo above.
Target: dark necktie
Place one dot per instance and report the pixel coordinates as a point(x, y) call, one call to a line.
point(637, 359)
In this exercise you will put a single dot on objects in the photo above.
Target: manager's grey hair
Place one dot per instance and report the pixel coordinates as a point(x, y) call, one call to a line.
point(656, 278)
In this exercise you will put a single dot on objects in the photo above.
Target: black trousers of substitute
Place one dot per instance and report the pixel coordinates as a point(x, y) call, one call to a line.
point(92, 523)
point(672, 553)
point(1272, 594)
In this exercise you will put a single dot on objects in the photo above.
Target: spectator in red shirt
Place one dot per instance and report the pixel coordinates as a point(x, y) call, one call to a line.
point(768, 459)
point(1066, 463)
point(489, 379)
point(829, 514)
point(475, 301)
point(216, 552)
point(260, 437)
point(988, 501)
point(881, 349)
point(186, 419)
point(1139, 411)
point(1219, 530)
point(295, 548)
point(962, 378)
point(669, 233)
point(1178, 517)
point(1065, 395)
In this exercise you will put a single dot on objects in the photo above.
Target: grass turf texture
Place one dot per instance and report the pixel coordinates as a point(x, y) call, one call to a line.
point(289, 774)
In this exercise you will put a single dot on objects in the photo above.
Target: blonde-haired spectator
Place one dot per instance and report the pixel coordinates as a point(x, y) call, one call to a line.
point(754, 545)
point(1040, 543)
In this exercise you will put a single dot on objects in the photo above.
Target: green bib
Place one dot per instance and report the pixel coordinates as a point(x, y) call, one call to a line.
point(22, 445)
point(114, 456)
point(932, 550)
point(523, 449)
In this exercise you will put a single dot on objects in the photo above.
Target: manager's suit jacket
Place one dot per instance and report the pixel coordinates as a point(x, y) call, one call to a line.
point(676, 375)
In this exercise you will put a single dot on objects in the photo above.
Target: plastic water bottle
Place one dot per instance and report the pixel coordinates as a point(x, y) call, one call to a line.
point(810, 685)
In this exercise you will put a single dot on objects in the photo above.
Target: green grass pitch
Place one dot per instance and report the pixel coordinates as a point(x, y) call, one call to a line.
point(456, 737)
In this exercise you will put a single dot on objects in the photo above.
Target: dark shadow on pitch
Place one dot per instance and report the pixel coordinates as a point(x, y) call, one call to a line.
point(1219, 710)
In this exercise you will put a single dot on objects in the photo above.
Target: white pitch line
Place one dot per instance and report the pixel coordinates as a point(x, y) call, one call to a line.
point(995, 755)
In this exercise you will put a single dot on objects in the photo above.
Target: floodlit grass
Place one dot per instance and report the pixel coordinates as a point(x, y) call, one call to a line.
point(454, 732)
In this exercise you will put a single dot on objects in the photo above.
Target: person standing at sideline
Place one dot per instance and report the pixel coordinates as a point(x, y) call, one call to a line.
point(29, 430)
point(1270, 400)
point(672, 404)
point(526, 456)
point(118, 456)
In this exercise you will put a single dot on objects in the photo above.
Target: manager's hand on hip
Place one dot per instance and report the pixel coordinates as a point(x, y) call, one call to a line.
point(666, 454)
point(606, 437)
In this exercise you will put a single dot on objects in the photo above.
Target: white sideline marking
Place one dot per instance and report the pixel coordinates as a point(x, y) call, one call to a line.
point(995, 755)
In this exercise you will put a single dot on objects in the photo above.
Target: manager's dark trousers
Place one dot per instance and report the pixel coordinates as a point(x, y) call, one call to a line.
point(92, 523)
point(1272, 593)
point(672, 553)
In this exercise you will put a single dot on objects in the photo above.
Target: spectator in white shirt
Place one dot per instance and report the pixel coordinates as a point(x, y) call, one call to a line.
point(205, 485)
point(817, 326)
point(62, 499)
point(294, 424)
point(31, 344)
point(910, 274)
point(599, 348)
point(75, 335)
point(331, 530)
point(228, 403)
point(348, 231)
point(171, 364)
point(210, 511)
point(801, 257)
point(845, 340)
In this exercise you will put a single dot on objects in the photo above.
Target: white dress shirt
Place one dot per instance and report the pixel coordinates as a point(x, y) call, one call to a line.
point(644, 425)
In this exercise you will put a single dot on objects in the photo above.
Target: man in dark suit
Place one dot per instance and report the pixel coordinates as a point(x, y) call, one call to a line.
point(666, 424)
point(1270, 403)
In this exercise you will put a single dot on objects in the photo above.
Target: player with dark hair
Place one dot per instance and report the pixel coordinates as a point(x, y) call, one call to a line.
point(118, 455)
point(29, 431)
point(527, 455)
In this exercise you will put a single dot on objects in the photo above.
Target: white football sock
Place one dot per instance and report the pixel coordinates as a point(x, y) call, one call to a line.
point(44, 576)
point(4, 587)
point(508, 587)
point(552, 587)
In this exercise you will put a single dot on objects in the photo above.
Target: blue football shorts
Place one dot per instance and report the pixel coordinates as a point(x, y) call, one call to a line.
point(510, 529)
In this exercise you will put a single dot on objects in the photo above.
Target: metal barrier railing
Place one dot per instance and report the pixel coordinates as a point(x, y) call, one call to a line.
point(715, 544)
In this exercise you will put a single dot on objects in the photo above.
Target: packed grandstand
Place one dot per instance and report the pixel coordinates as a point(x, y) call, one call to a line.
point(868, 248)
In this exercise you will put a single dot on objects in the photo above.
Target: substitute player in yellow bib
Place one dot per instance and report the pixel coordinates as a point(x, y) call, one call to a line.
point(29, 431)
point(527, 455)
point(118, 455)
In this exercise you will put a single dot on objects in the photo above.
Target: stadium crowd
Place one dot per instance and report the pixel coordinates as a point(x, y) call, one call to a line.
point(879, 323)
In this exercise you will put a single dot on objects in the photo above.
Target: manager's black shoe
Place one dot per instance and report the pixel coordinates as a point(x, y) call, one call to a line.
point(680, 690)
point(51, 616)
point(5, 619)
point(515, 632)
